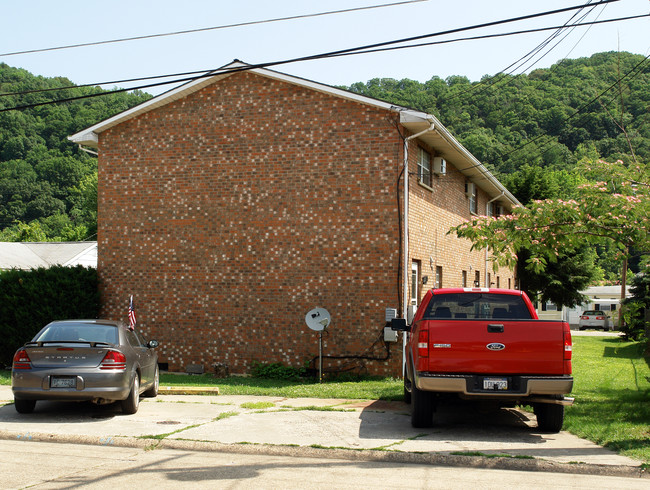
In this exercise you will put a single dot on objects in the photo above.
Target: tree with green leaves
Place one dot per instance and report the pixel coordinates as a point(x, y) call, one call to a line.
point(562, 280)
point(46, 182)
point(613, 205)
point(637, 307)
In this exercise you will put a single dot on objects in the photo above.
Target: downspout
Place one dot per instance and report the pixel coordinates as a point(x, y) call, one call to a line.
point(487, 211)
point(405, 276)
point(88, 151)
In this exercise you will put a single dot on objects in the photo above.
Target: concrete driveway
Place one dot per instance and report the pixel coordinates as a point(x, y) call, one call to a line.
point(347, 429)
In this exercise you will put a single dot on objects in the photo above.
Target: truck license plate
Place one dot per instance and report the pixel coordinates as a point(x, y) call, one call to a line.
point(495, 384)
point(63, 382)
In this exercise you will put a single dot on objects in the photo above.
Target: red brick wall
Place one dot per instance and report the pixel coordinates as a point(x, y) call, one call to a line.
point(436, 208)
point(232, 212)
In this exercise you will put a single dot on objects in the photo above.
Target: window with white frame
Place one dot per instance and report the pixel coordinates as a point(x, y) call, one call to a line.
point(470, 191)
point(424, 166)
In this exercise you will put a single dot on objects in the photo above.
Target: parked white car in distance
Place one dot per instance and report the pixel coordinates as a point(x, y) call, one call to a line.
point(594, 319)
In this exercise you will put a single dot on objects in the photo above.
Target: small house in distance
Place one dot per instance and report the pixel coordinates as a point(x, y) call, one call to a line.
point(231, 206)
point(32, 255)
point(604, 298)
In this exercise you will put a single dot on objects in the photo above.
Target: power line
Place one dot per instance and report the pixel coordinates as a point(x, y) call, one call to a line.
point(503, 34)
point(112, 82)
point(203, 29)
point(502, 75)
point(383, 46)
point(210, 72)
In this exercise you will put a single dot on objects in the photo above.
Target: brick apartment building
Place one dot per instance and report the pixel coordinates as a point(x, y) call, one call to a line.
point(231, 206)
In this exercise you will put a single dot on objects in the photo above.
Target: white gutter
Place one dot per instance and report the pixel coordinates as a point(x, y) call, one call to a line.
point(487, 212)
point(405, 276)
point(405, 288)
point(88, 151)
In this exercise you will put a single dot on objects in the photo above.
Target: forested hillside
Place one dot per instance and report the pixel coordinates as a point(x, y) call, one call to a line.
point(549, 118)
point(47, 185)
point(529, 129)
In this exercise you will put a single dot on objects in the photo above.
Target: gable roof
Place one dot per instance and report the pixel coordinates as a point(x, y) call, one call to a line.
point(32, 255)
point(415, 121)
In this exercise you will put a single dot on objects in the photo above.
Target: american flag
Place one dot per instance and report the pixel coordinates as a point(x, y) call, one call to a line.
point(132, 321)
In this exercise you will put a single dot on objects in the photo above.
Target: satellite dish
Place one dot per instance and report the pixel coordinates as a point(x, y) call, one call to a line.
point(318, 319)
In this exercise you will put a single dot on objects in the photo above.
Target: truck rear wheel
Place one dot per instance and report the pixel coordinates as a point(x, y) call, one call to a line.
point(407, 389)
point(422, 406)
point(550, 418)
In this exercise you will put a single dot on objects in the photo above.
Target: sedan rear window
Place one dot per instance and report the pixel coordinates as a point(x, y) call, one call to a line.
point(78, 333)
point(593, 313)
point(477, 306)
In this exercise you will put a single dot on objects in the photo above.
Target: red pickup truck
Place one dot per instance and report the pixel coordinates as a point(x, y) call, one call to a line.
point(485, 345)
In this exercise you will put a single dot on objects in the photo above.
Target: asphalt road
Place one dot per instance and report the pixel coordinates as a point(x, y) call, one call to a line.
point(357, 434)
point(44, 465)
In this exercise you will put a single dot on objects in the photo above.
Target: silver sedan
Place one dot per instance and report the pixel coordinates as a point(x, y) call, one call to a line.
point(85, 360)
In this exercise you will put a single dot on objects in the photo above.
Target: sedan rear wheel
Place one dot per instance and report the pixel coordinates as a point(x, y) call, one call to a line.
point(131, 404)
point(24, 406)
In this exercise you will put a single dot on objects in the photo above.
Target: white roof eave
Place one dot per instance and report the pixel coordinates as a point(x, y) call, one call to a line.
point(86, 138)
point(89, 136)
point(414, 121)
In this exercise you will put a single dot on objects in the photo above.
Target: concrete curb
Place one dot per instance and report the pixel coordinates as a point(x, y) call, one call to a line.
point(188, 390)
point(435, 459)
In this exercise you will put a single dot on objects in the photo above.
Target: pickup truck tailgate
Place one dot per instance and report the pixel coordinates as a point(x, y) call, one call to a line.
point(493, 347)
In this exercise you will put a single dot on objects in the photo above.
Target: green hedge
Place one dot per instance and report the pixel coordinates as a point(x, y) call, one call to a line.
point(31, 299)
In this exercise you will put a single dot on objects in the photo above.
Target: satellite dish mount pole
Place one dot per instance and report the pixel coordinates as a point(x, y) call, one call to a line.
point(318, 320)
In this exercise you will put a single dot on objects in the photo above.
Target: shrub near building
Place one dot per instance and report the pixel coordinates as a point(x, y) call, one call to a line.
point(31, 299)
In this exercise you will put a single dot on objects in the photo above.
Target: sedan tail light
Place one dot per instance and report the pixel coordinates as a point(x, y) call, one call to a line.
point(600, 318)
point(22, 360)
point(113, 360)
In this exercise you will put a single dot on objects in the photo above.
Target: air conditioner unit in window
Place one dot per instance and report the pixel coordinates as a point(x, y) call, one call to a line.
point(439, 166)
point(470, 189)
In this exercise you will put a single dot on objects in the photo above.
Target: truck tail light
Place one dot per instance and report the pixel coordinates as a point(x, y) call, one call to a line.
point(568, 344)
point(423, 343)
point(568, 348)
point(22, 360)
point(113, 360)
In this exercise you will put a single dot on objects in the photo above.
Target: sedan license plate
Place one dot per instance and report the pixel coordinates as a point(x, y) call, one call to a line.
point(63, 382)
point(495, 384)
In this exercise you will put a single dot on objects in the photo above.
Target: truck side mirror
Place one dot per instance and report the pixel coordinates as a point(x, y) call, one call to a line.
point(399, 325)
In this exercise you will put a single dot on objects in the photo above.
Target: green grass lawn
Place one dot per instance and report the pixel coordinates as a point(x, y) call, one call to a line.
point(372, 389)
point(612, 391)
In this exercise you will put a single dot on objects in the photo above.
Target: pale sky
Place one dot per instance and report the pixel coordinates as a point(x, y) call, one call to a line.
point(42, 24)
